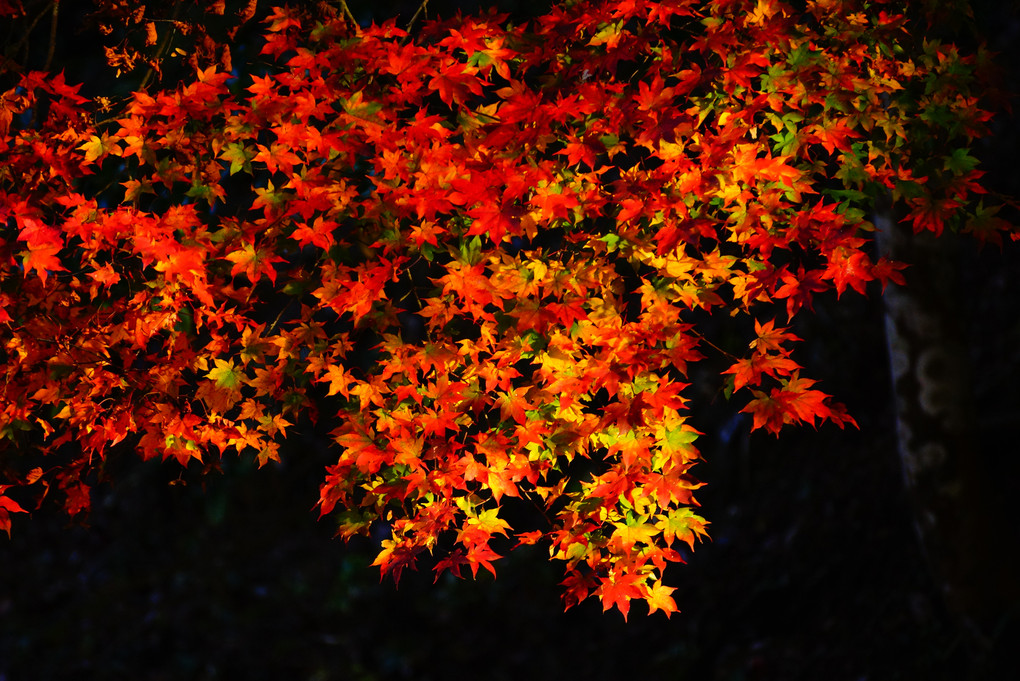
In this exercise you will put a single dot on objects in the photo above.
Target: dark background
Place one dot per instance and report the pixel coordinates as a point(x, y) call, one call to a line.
point(813, 571)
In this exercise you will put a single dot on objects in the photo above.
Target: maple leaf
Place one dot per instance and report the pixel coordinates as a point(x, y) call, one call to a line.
point(44, 243)
point(395, 557)
point(453, 562)
point(795, 401)
point(481, 555)
point(436, 422)
point(529, 538)
point(799, 289)
point(489, 522)
point(239, 157)
point(7, 506)
point(339, 380)
point(270, 452)
point(277, 157)
point(626, 535)
point(849, 268)
point(497, 278)
point(78, 496)
point(43, 259)
point(885, 271)
point(5, 301)
point(358, 108)
point(806, 404)
point(263, 86)
point(771, 338)
point(96, 147)
point(224, 374)
point(500, 482)
point(618, 589)
point(282, 19)
point(513, 404)
point(682, 523)
point(834, 134)
point(320, 233)
point(254, 263)
point(659, 598)
point(362, 449)
point(748, 371)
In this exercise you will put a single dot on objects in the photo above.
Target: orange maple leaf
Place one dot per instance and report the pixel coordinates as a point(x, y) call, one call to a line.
point(44, 243)
point(618, 589)
point(7, 506)
point(659, 598)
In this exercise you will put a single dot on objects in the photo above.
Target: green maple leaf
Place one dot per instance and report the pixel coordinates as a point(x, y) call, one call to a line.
point(239, 157)
point(960, 162)
point(683, 524)
point(225, 375)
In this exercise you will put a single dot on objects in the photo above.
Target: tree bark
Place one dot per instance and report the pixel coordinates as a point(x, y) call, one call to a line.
point(971, 552)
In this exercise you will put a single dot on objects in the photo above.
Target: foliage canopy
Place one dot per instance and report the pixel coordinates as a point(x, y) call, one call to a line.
point(480, 253)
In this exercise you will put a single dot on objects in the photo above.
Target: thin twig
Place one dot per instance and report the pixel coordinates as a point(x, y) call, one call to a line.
point(53, 35)
point(423, 7)
point(348, 13)
point(164, 45)
point(715, 347)
point(22, 45)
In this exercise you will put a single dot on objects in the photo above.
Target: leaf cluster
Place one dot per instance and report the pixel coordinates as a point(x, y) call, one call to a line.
point(479, 254)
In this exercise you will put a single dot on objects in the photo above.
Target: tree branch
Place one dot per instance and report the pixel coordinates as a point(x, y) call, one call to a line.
point(53, 35)
point(423, 7)
point(348, 13)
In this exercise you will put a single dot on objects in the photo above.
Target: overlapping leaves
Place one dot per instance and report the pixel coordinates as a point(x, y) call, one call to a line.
point(476, 254)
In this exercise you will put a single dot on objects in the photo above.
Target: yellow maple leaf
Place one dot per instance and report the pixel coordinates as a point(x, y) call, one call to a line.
point(659, 598)
point(224, 375)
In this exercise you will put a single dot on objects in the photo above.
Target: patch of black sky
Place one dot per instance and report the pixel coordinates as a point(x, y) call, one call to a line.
point(374, 11)
point(412, 328)
point(546, 240)
point(406, 292)
point(633, 157)
point(632, 278)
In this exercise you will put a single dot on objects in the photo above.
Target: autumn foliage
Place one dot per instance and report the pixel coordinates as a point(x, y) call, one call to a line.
point(479, 254)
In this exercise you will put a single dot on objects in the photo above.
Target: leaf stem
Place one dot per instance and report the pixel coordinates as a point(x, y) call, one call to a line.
point(348, 13)
point(53, 36)
point(423, 7)
point(712, 345)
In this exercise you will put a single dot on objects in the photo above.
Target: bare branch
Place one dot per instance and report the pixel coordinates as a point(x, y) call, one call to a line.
point(348, 13)
point(53, 35)
point(423, 7)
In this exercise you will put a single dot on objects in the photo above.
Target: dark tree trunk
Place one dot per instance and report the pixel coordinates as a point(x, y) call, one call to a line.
point(972, 553)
